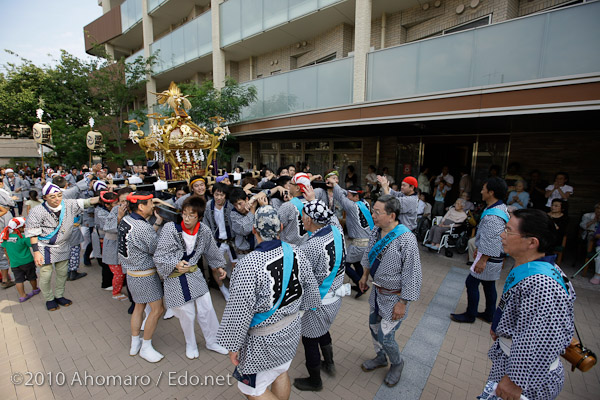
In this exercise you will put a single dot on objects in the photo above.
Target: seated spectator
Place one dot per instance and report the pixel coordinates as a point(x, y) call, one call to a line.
point(589, 222)
point(423, 206)
point(560, 219)
point(518, 198)
point(513, 176)
point(537, 190)
point(386, 173)
point(469, 206)
point(455, 215)
point(371, 179)
point(559, 189)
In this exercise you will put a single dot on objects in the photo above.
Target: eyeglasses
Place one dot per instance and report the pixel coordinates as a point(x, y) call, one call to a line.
point(189, 216)
point(513, 233)
point(378, 213)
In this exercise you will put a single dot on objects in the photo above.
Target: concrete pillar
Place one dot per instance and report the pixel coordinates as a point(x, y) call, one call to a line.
point(218, 55)
point(383, 30)
point(148, 37)
point(110, 50)
point(362, 44)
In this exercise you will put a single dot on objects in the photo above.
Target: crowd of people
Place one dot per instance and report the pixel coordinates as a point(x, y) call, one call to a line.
point(278, 246)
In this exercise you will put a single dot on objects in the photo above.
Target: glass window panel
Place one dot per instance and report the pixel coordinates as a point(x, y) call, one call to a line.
point(275, 13)
point(190, 33)
point(348, 145)
point(325, 3)
point(341, 161)
point(318, 162)
point(392, 73)
point(572, 36)
point(445, 63)
point(268, 146)
point(290, 158)
point(508, 52)
point(298, 8)
point(204, 30)
point(155, 49)
point(303, 89)
point(256, 109)
point(290, 146)
point(316, 145)
point(231, 22)
point(276, 95)
point(178, 47)
point(334, 83)
point(251, 17)
point(270, 160)
point(490, 151)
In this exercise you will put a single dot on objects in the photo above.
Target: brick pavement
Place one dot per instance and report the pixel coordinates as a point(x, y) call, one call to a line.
point(93, 336)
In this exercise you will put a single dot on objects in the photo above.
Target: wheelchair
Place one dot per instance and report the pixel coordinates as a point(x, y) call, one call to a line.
point(456, 237)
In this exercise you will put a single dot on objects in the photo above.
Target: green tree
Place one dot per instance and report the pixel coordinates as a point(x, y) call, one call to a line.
point(207, 102)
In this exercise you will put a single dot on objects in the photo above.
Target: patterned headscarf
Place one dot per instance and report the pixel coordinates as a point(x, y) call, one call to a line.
point(99, 185)
point(318, 212)
point(266, 222)
point(12, 226)
point(302, 180)
point(336, 173)
point(50, 188)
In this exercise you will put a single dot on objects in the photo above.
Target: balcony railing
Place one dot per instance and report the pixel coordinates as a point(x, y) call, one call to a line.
point(154, 4)
point(131, 13)
point(558, 43)
point(319, 86)
point(242, 19)
point(131, 59)
point(187, 43)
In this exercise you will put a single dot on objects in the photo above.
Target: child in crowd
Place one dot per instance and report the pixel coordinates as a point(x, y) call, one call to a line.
point(19, 256)
point(32, 202)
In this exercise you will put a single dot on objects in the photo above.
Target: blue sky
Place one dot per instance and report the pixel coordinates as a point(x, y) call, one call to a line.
point(38, 29)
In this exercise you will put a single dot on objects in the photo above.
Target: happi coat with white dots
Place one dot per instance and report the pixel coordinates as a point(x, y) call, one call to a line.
point(42, 221)
point(137, 243)
point(356, 223)
point(399, 269)
point(293, 231)
point(241, 225)
point(538, 317)
point(110, 254)
point(172, 248)
point(488, 242)
point(256, 285)
point(408, 209)
point(321, 252)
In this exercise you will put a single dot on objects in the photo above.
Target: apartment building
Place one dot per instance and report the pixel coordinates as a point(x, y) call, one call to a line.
point(401, 84)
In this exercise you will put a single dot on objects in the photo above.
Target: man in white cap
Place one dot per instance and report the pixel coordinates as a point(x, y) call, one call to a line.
point(16, 186)
point(261, 322)
point(50, 227)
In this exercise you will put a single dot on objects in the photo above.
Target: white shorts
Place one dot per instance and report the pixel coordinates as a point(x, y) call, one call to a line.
point(264, 380)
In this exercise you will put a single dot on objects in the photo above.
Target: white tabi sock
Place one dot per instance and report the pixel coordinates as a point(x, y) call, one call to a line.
point(148, 353)
point(225, 292)
point(136, 343)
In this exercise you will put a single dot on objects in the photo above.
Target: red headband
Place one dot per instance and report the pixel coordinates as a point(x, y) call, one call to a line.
point(133, 198)
point(104, 199)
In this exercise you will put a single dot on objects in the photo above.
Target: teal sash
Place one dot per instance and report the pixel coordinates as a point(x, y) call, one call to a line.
point(384, 241)
point(298, 203)
point(533, 268)
point(288, 264)
point(60, 221)
point(365, 211)
point(496, 212)
point(339, 249)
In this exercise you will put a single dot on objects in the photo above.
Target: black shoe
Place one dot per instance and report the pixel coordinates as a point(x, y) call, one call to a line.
point(360, 293)
point(327, 364)
point(484, 317)
point(355, 288)
point(313, 383)
point(131, 307)
point(462, 318)
point(469, 263)
point(74, 275)
point(63, 301)
point(52, 305)
point(213, 284)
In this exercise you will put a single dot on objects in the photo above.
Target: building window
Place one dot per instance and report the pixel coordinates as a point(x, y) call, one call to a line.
point(470, 25)
point(330, 57)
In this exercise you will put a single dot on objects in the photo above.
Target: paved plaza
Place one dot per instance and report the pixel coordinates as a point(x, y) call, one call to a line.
point(88, 343)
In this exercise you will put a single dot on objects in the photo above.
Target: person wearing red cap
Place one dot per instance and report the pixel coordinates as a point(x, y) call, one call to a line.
point(409, 200)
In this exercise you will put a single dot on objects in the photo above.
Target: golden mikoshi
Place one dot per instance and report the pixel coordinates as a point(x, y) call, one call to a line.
point(181, 147)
